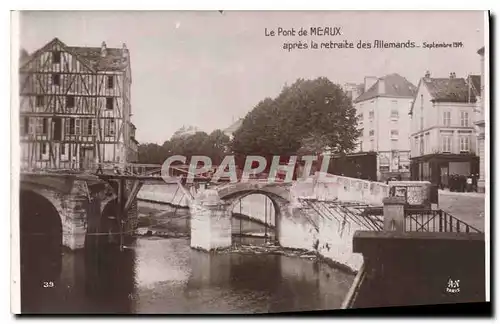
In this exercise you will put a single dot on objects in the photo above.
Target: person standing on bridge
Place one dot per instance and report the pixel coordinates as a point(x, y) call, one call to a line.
point(99, 167)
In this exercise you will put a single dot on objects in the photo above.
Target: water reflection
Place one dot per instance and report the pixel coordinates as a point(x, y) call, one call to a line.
point(160, 275)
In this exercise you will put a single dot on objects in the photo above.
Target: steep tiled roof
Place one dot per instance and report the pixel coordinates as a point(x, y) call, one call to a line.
point(113, 60)
point(449, 90)
point(394, 86)
point(475, 81)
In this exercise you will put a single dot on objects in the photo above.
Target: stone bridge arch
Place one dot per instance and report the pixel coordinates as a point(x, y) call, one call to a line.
point(211, 211)
point(40, 238)
point(278, 194)
point(52, 196)
point(69, 200)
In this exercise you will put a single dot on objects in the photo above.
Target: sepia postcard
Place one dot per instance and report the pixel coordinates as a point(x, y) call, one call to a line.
point(249, 162)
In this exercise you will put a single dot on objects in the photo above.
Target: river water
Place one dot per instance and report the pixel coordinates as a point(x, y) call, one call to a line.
point(164, 275)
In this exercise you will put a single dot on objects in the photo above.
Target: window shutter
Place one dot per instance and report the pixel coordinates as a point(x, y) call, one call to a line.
point(77, 127)
point(66, 126)
point(31, 126)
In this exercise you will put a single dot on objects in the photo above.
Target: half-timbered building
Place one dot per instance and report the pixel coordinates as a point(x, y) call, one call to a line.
point(75, 107)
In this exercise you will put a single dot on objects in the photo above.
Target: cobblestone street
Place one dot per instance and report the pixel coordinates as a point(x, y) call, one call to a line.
point(467, 206)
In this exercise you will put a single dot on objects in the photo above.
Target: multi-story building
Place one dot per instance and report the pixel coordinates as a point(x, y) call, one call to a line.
point(478, 85)
point(384, 123)
point(75, 107)
point(442, 132)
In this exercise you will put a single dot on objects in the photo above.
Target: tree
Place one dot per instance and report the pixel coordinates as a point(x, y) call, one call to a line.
point(307, 111)
point(219, 146)
point(151, 153)
point(187, 142)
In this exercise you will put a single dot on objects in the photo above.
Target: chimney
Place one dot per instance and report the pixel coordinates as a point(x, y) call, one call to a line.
point(381, 86)
point(369, 81)
point(103, 49)
point(124, 51)
point(427, 75)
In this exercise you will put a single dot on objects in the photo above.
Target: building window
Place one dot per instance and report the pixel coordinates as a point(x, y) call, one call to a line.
point(78, 123)
point(417, 144)
point(422, 146)
point(43, 150)
point(360, 118)
point(109, 103)
point(394, 109)
point(70, 102)
point(372, 145)
point(372, 132)
point(89, 127)
point(56, 57)
point(56, 79)
point(427, 142)
point(39, 101)
point(111, 82)
point(70, 126)
point(371, 115)
point(110, 127)
point(45, 126)
point(394, 133)
point(39, 125)
point(361, 146)
point(446, 118)
point(73, 126)
point(446, 143)
point(464, 119)
point(464, 144)
point(63, 149)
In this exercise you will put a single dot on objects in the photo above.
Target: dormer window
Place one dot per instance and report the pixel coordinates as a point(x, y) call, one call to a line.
point(56, 57)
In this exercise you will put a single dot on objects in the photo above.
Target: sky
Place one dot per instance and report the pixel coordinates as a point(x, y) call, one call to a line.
point(207, 69)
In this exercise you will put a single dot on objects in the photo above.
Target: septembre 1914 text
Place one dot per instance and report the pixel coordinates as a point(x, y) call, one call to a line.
point(329, 44)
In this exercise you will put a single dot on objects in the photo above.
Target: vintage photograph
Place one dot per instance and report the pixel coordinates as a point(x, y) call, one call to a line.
point(246, 162)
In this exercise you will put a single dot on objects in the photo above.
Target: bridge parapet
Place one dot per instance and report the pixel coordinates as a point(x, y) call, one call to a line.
point(238, 190)
point(329, 187)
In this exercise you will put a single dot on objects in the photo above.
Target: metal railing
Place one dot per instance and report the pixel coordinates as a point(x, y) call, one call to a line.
point(427, 220)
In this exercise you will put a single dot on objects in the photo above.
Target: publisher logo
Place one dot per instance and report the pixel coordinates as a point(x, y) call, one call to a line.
point(453, 286)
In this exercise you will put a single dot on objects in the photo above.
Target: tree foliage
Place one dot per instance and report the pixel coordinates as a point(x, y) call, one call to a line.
point(309, 115)
point(213, 145)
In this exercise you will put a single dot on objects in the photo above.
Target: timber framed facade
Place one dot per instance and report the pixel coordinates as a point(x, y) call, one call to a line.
point(75, 107)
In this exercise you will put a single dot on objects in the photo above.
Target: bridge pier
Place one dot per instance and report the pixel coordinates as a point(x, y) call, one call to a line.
point(74, 217)
point(210, 222)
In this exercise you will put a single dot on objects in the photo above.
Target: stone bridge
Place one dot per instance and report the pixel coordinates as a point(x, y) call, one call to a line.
point(320, 214)
point(66, 201)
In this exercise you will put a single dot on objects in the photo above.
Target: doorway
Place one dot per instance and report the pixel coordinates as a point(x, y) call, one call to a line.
point(444, 176)
point(86, 158)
